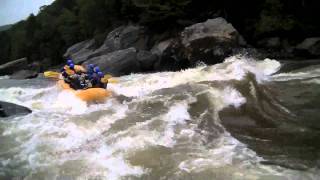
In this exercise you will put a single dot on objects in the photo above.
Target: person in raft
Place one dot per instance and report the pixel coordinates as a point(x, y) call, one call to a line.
point(79, 78)
point(96, 77)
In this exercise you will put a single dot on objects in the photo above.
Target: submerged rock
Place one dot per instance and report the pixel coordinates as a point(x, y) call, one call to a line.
point(10, 109)
point(13, 66)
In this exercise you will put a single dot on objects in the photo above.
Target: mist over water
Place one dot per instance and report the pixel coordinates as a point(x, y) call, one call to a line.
point(236, 120)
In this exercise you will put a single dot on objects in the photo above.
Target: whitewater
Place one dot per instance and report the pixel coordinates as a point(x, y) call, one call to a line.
point(240, 119)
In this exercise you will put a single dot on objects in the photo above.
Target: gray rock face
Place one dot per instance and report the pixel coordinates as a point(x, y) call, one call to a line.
point(125, 37)
point(310, 46)
point(210, 41)
point(163, 48)
point(168, 55)
point(118, 63)
point(24, 74)
point(13, 66)
point(146, 60)
point(80, 51)
point(10, 109)
point(120, 38)
point(125, 49)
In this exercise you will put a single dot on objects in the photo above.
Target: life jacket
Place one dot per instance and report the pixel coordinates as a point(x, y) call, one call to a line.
point(77, 69)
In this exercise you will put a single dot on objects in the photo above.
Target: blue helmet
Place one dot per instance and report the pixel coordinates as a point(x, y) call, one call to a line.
point(100, 74)
point(71, 66)
point(69, 61)
point(96, 69)
point(91, 66)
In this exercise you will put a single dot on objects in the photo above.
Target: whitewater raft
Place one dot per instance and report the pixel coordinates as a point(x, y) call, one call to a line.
point(88, 95)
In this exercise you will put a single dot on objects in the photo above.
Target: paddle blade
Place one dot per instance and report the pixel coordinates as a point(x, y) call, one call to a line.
point(51, 74)
point(109, 80)
point(107, 76)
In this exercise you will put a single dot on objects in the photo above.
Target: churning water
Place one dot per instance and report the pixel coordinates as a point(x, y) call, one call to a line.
point(236, 120)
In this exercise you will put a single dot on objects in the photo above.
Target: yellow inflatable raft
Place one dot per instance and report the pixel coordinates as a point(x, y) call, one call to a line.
point(88, 95)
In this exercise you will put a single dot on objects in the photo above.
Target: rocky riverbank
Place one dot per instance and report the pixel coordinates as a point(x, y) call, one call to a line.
point(134, 48)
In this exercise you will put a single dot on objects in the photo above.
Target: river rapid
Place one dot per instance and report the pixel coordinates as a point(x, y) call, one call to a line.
point(241, 119)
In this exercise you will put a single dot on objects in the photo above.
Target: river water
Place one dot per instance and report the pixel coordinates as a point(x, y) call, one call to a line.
point(241, 119)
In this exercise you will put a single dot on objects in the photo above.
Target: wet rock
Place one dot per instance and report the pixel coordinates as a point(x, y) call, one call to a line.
point(35, 66)
point(310, 46)
point(169, 57)
point(163, 48)
point(10, 109)
point(118, 63)
point(146, 60)
point(210, 41)
point(124, 37)
point(24, 74)
point(80, 51)
point(13, 66)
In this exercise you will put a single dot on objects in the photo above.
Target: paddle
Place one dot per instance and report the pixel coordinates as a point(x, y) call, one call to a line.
point(109, 79)
point(56, 75)
point(51, 74)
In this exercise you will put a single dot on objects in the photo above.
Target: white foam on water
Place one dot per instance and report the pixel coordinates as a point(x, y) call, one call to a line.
point(235, 67)
point(297, 75)
point(110, 166)
point(177, 114)
point(55, 133)
point(4, 77)
point(68, 101)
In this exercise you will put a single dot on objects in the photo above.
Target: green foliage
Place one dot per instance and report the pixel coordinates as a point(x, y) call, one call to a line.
point(273, 19)
point(5, 27)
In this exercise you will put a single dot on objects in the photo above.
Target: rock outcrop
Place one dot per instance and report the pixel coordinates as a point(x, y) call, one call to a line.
point(210, 41)
point(80, 51)
point(118, 63)
point(309, 47)
point(120, 38)
point(13, 66)
point(24, 74)
point(10, 109)
point(146, 60)
point(127, 49)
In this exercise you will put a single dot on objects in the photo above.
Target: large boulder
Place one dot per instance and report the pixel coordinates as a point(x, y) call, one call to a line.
point(146, 60)
point(210, 41)
point(169, 57)
point(123, 37)
point(310, 46)
point(163, 48)
point(80, 51)
point(24, 74)
point(118, 63)
point(10, 109)
point(13, 66)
